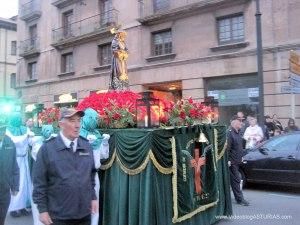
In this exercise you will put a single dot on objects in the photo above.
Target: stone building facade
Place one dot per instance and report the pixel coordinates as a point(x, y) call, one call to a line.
point(8, 57)
point(180, 48)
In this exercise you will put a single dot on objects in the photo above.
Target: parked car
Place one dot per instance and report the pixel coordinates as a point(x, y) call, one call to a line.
point(276, 161)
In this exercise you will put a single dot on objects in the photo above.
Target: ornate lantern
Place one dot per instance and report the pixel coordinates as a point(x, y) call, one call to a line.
point(147, 111)
point(214, 104)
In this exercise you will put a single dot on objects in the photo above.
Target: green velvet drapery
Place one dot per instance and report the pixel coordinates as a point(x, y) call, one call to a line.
point(148, 179)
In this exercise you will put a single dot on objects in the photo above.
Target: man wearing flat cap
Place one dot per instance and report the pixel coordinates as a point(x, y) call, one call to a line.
point(9, 172)
point(235, 153)
point(63, 175)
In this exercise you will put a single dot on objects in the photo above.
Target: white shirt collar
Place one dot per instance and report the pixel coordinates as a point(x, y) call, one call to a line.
point(67, 141)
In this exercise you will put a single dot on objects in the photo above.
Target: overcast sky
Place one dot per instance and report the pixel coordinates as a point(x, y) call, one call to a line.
point(8, 8)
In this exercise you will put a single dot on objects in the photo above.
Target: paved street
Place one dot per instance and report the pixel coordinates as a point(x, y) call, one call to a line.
point(269, 206)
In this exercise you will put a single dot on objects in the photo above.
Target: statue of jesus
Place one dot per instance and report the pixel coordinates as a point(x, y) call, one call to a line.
point(119, 77)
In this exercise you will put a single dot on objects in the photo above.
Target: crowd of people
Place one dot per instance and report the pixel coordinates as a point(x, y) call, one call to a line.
point(246, 134)
point(62, 188)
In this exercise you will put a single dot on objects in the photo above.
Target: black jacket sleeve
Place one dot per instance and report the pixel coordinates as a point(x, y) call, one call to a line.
point(16, 172)
point(39, 194)
point(229, 145)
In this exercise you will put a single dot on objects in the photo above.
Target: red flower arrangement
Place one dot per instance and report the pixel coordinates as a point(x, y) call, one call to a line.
point(118, 110)
point(49, 116)
point(187, 112)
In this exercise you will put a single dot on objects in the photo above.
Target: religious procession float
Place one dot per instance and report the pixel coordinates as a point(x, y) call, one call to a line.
point(167, 162)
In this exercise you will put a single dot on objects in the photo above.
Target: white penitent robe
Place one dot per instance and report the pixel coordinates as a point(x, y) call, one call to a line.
point(23, 198)
point(36, 142)
point(101, 153)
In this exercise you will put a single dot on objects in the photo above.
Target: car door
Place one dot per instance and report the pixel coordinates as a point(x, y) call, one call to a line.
point(297, 170)
point(282, 163)
point(255, 165)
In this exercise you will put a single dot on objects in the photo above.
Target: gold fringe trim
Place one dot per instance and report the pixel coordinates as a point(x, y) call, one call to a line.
point(133, 171)
point(219, 156)
point(138, 170)
point(111, 161)
point(160, 168)
point(222, 152)
point(200, 209)
point(174, 181)
point(190, 142)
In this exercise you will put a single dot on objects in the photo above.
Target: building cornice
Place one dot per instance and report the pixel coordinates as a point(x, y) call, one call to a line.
point(8, 63)
point(8, 25)
point(251, 52)
point(64, 79)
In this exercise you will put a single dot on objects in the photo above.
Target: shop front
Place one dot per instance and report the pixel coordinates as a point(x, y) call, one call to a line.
point(234, 93)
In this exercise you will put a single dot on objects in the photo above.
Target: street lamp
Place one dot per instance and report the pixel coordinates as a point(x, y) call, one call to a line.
point(259, 64)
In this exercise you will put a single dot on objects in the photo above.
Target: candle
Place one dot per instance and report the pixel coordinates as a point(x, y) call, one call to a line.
point(209, 118)
point(146, 121)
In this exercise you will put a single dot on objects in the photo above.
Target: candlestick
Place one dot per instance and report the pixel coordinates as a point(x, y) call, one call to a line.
point(146, 121)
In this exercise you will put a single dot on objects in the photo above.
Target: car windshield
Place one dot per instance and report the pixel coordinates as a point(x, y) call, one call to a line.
point(283, 143)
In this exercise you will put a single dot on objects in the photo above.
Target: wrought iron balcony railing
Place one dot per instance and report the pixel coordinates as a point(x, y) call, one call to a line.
point(151, 7)
point(90, 25)
point(156, 11)
point(30, 10)
point(29, 47)
point(63, 3)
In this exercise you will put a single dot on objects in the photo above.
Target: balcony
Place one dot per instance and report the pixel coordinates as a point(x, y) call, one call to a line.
point(30, 48)
point(158, 11)
point(63, 3)
point(86, 30)
point(30, 11)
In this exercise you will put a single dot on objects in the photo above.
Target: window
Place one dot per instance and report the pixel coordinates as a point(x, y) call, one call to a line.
point(33, 31)
point(104, 54)
point(234, 93)
point(32, 71)
point(13, 48)
point(67, 63)
point(160, 5)
point(162, 43)
point(231, 29)
point(13, 80)
point(106, 12)
point(67, 23)
point(284, 143)
point(33, 35)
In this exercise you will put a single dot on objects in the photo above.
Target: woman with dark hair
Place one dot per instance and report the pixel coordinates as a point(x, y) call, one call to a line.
point(269, 127)
point(277, 122)
point(291, 126)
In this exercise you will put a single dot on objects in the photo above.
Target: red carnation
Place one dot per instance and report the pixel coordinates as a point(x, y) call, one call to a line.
point(194, 113)
point(182, 115)
point(116, 116)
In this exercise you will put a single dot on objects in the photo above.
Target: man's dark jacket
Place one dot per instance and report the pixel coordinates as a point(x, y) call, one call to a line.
point(63, 180)
point(9, 170)
point(234, 146)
